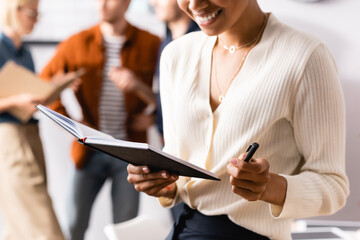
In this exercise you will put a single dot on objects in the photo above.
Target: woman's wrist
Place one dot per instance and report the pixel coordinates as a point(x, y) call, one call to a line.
point(171, 193)
point(275, 192)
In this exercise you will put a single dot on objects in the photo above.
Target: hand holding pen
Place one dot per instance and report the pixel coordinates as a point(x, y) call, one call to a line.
point(249, 176)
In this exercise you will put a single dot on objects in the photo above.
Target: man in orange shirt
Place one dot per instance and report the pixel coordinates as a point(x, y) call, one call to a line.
point(119, 60)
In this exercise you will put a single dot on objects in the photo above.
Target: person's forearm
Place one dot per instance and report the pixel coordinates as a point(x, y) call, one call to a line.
point(276, 190)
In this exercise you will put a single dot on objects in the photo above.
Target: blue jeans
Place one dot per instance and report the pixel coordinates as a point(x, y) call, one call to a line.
point(86, 184)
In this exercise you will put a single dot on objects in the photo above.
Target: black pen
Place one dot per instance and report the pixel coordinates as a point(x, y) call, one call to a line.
point(250, 151)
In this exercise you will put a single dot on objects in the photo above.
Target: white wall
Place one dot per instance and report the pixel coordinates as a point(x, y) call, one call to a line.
point(336, 22)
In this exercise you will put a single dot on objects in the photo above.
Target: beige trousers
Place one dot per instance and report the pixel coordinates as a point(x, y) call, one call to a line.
point(25, 203)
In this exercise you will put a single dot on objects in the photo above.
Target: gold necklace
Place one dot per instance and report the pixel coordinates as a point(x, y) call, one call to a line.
point(222, 96)
point(232, 48)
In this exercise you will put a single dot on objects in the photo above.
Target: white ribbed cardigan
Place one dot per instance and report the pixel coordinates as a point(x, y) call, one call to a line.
point(287, 97)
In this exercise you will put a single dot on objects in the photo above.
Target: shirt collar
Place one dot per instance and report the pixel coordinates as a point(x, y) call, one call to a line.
point(130, 33)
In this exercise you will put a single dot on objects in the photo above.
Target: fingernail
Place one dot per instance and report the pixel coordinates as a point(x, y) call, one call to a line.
point(233, 161)
point(145, 169)
point(164, 174)
point(174, 177)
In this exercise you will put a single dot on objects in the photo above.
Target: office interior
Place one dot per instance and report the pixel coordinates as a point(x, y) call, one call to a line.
point(336, 22)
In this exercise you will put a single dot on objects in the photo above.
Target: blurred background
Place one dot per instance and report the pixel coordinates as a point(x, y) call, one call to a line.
point(336, 22)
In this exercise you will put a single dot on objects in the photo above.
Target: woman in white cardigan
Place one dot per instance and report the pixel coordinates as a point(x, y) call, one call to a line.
point(247, 77)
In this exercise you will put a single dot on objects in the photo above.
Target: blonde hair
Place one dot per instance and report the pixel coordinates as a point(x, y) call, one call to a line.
point(8, 9)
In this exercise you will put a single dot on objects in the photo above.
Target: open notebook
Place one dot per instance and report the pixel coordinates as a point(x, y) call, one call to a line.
point(131, 152)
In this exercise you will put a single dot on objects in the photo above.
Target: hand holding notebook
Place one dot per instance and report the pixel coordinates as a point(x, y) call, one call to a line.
point(16, 80)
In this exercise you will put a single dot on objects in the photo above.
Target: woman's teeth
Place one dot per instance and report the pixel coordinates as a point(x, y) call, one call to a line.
point(207, 18)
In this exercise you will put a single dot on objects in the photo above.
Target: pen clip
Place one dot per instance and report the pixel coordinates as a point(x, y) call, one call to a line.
point(250, 151)
point(249, 147)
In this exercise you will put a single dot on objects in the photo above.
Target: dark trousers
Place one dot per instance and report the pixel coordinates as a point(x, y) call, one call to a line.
point(193, 225)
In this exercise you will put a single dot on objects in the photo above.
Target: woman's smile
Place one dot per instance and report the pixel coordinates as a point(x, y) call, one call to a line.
point(206, 19)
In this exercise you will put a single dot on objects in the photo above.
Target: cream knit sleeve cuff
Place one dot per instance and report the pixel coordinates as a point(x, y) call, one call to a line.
point(293, 202)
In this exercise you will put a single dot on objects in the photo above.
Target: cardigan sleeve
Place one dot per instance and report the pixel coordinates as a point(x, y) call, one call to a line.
point(321, 187)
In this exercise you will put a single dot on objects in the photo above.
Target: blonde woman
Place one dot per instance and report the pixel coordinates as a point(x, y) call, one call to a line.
point(25, 203)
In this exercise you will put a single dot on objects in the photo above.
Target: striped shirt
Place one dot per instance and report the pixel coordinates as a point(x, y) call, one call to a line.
point(112, 105)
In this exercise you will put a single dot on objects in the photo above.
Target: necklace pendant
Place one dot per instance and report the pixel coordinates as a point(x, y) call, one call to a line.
point(221, 98)
point(232, 49)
